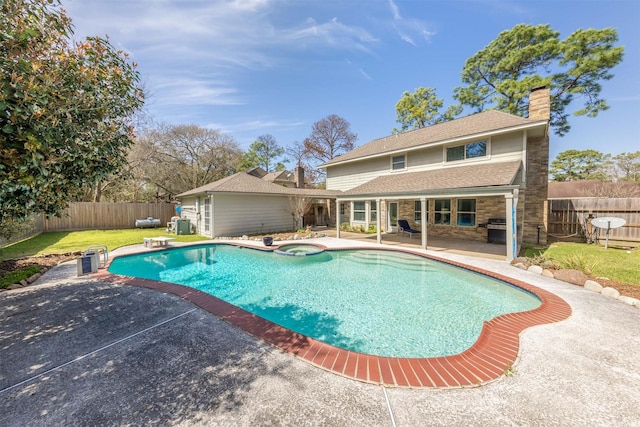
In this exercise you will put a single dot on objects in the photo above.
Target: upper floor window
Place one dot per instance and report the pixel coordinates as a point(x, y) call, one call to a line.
point(467, 151)
point(399, 162)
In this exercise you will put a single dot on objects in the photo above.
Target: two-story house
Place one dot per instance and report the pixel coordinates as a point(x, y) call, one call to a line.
point(448, 180)
point(453, 178)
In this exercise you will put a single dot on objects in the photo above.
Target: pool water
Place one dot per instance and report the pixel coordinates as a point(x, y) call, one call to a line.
point(375, 302)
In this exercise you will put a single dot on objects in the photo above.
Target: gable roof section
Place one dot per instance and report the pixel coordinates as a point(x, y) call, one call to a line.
point(242, 182)
point(471, 176)
point(479, 123)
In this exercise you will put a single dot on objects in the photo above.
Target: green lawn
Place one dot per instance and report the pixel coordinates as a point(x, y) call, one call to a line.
point(621, 265)
point(71, 241)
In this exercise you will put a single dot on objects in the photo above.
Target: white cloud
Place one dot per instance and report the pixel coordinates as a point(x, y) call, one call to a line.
point(366, 76)
point(332, 33)
point(192, 91)
point(408, 29)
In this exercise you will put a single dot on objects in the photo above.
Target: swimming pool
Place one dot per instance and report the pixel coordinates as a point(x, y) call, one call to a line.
point(376, 302)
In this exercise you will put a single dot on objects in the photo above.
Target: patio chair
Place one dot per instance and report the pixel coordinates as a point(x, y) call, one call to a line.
point(403, 226)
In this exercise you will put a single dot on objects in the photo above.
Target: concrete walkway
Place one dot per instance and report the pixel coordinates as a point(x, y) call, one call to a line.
point(76, 351)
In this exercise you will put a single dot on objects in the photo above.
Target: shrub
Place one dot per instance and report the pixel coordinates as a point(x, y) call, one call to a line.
point(578, 261)
point(544, 262)
point(18, 275)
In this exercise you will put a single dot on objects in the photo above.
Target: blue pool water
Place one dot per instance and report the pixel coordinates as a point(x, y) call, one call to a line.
point(370, 301)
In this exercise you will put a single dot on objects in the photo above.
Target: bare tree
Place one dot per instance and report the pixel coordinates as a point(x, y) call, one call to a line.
point(613, 190)
point(187, 156)
point(298, 206)
point(300, 156)
point(329, 138)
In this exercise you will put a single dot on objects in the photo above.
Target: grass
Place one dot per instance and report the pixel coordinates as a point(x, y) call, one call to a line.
point(72, 241)
point(620, 265)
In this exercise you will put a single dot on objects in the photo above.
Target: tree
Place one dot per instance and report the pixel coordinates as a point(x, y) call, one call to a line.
point(264, 152)
point(503, 73)
point(422, 108)
point(576, 165)
point(65, 109)
point(626, 167)
point(301, 158)
point(184, 157)
point(298, 206)
point(329, 138)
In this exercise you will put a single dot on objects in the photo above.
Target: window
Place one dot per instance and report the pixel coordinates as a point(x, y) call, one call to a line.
point(341, 209)
point(207, 214)
point(466, 213)
point(373, 216)
point(417, 216)
point(398, 162)
point(359, 212)
point(467, 151)
point(443, 211)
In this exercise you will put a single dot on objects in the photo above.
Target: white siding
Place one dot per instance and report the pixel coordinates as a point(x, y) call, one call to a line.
point(346, 177)
point(425, 158)
point(235, 215)
point(507, 147)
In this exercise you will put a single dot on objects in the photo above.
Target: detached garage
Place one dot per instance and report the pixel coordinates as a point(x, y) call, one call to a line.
point(243, 204)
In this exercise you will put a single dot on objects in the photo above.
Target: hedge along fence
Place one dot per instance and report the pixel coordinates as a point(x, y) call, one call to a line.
point(32, 226)
point(569, 219)
point(107, 216)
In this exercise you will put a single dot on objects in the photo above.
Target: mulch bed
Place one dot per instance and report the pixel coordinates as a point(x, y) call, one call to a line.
point(45, 262)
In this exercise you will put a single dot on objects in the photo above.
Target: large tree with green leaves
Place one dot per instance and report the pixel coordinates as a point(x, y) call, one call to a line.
point(265, 152)
point(66, 109)
point(578, 165)
point(421, 108)
point(502, 74)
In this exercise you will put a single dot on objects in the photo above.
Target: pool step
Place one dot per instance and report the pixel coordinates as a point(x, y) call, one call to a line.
point(378, 258)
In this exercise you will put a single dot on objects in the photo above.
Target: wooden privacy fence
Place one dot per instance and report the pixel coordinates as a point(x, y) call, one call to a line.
point(569, 219)
point(107, 216)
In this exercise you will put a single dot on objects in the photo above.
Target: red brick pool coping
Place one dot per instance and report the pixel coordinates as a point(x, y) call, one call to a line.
point(491, 356)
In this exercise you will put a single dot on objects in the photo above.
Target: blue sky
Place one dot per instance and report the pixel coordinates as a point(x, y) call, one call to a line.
point(254, 67)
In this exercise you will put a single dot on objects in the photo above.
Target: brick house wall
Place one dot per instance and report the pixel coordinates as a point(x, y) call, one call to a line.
point(486, 207)
point(537, 178)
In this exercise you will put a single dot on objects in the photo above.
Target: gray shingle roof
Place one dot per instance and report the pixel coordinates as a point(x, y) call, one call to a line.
point(471, 176)
point(486, 121)
point(242, 182)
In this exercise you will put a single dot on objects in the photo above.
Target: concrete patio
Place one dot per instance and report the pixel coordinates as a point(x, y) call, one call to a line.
point(77, 351)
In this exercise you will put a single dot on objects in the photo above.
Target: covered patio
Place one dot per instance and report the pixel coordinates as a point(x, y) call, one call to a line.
point(436, 244)
point(448, 207)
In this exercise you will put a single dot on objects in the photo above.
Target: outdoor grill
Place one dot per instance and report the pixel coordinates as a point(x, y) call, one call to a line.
point(497, 230)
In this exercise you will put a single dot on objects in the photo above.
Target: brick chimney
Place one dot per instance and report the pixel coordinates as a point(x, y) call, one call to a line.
point(298, 176)
point(540, 103)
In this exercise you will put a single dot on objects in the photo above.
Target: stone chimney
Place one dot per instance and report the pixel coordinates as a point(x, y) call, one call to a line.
point(299, 176)
point(540, 103)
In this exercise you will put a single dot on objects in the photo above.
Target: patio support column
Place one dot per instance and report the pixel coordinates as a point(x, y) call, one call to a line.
point(512, 235)
point(378, 219)
point(338, 202)
point(423, 221)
